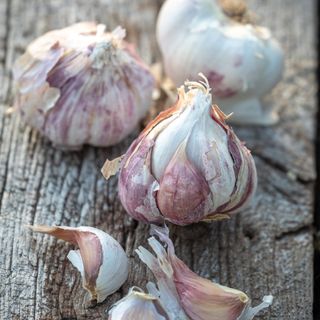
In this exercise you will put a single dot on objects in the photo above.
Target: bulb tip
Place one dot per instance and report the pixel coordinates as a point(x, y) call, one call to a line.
point(202, 85)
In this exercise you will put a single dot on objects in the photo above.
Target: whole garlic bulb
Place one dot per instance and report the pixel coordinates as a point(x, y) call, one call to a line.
point(241, 62)
point(187, 165)
point(200, 298)
point(80, 85)
point(100, 259)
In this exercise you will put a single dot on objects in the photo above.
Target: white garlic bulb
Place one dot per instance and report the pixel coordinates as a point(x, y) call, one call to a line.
point(137, 305)
point(242, 62)
point(81, 85)
point(100, 259)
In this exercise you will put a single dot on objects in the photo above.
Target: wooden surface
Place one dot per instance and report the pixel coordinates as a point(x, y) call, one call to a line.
point(266, 249)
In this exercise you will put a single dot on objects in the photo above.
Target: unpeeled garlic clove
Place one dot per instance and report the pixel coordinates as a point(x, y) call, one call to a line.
point(187, 165)
point(137, 305)
point(200, 298)
point(100, 259)
point(242, 62)
point(81, 85)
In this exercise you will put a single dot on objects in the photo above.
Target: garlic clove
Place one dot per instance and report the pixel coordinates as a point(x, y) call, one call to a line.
point(135, 180)
point(137, 305)
point(198, 297)
point(82, 85)
point(203, 299)
point(180, 181)
point(139, 185)
point(187, 165)
point(100, 259)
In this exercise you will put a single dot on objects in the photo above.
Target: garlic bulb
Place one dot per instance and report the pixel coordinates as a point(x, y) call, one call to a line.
point(200, 298)
point(187, 165)
point(100, 259)
point(80, 85)
point(242, 62)
point(137, 305)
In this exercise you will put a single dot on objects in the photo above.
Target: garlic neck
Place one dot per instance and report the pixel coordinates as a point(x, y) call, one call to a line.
point(106, 45)
point(210, 9)
point(199, 102)
point(198, 93)
point(100, 54)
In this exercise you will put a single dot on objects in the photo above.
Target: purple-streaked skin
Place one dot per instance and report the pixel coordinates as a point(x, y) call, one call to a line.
point(199, 298)
point(182, 181)
point(80, 86)
point(203, 299)
point(187, 165)
point(100, 259)
point(244, 169)
point(137, 186)
point(139, 198)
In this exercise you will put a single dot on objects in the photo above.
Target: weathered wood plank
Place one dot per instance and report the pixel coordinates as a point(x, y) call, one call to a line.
point(266, 249)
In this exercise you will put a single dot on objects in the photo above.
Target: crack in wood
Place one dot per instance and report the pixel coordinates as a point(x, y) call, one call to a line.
point(295, 232)
point(7, 30)
point(277, 165)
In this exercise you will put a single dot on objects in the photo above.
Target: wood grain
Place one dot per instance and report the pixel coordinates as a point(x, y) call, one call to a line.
point(266, 249)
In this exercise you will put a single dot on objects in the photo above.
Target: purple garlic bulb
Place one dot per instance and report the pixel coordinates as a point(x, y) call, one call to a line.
point(187, 165)
point(80, 85)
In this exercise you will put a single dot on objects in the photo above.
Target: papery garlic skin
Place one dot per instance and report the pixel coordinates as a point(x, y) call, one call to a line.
point(242, 62)
point(249, 312)
point(137, 305)
point(100, 259)
point(200, 298)
point(187, 165)
point(81, 85)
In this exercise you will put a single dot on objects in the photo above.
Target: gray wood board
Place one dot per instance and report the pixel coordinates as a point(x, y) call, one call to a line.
point(265, 249)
